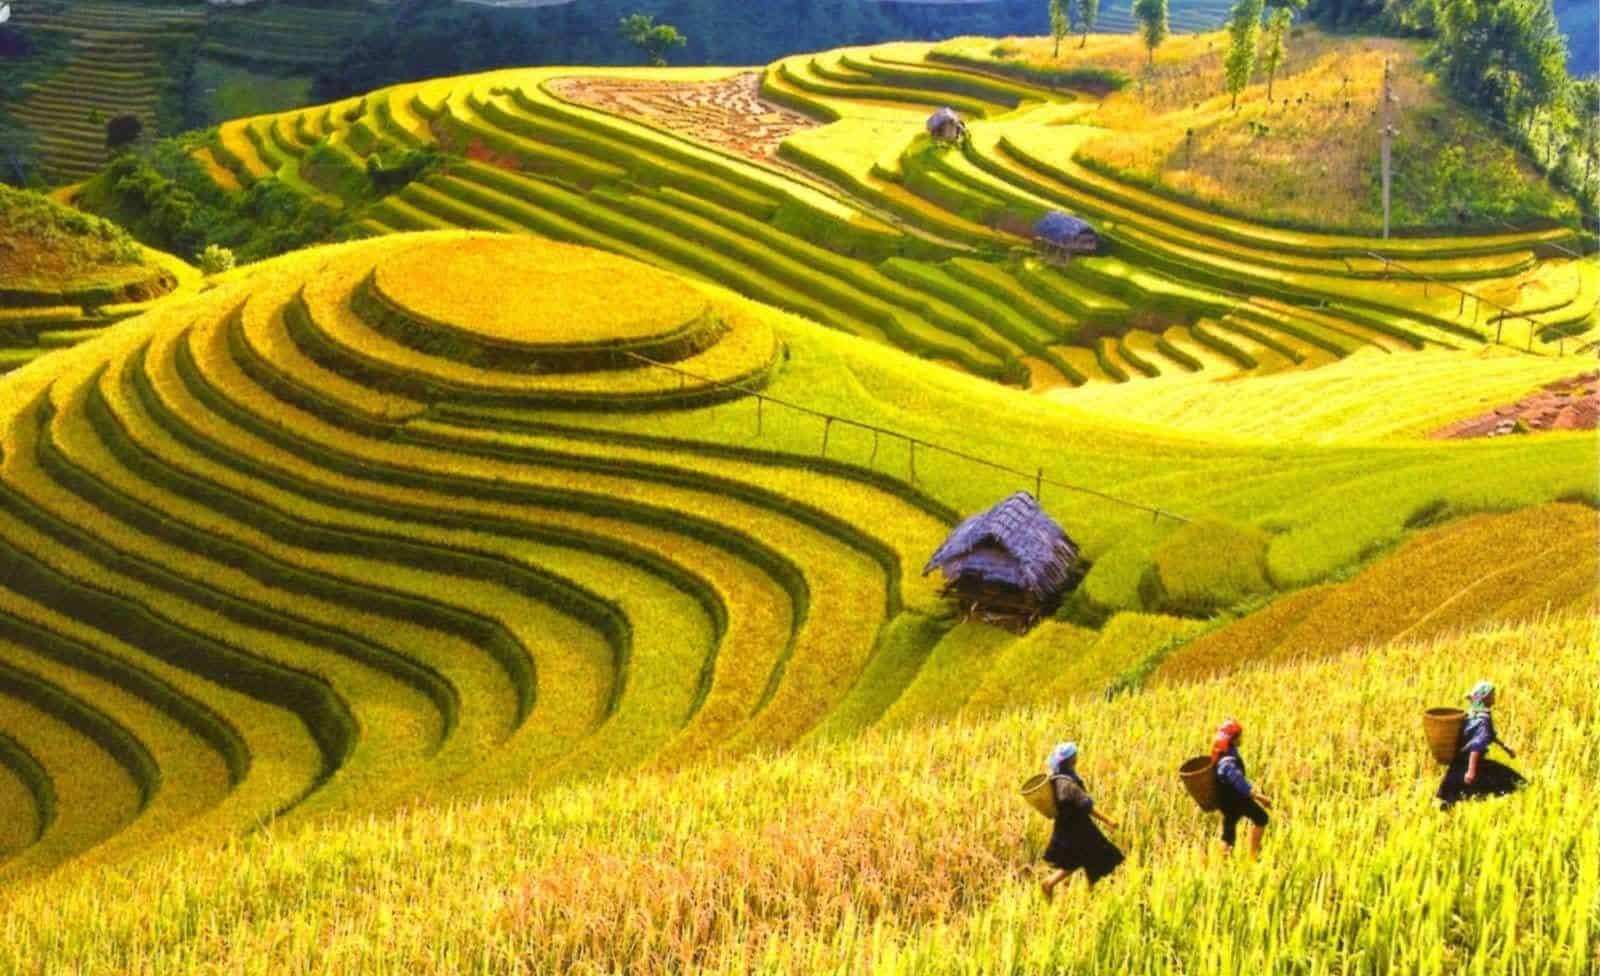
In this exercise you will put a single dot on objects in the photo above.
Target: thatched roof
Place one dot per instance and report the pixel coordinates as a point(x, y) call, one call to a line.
point(1014, 543)
point(942, 117)
point(1060, 228)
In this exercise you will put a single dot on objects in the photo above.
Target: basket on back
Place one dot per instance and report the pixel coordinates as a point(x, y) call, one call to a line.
point(1039, 794)
point(1199, 777)
point(1443, 728)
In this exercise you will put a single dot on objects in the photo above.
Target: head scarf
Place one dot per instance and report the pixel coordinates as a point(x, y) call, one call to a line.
point(1224, 740)
point(1479, 696)
point(1064, 753)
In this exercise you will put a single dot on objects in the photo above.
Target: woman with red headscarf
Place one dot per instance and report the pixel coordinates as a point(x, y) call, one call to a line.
point(1236, 797)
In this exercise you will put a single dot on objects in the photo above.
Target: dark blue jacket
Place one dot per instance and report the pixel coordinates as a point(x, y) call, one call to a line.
point(1230, 770)
point(1478, 733)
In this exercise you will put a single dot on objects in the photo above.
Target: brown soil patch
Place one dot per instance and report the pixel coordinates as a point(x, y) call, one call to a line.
point(729, 114)
point(1572, 404)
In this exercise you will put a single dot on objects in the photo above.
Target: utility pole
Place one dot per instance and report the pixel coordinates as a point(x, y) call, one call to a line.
point(1386, 132)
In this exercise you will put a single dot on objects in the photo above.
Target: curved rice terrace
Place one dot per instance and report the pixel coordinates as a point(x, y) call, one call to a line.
point(856, 220)
point(615, 478)
point(346, 530)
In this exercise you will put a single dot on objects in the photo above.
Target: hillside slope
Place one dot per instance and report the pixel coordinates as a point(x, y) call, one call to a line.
point(351, 530)
point(856, 220)
point(911, 854)
point(65, 276)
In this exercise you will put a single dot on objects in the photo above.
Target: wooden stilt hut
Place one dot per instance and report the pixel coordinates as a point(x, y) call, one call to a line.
point(945, 125)
point(1008, 565)
point(1061, 235)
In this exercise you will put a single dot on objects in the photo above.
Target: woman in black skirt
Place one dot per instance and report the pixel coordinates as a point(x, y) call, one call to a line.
point(1075, 841)
point(1237, 797)
point(1472, 774)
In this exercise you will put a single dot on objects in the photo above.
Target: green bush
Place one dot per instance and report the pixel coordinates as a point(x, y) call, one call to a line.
point(163, 198)
point(66, 232)
point(393, 169)
point(215, 259)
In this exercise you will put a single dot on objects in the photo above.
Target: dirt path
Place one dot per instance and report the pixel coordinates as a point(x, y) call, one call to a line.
point(729, 114)
point(1572, 404)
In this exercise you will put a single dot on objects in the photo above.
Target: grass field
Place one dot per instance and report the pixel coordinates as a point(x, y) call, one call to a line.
point(911, 853)
point(1174, 127)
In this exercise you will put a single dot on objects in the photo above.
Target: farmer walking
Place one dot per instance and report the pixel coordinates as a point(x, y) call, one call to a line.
point(1236, 797)
point(1471, 773)
point(1075, 840)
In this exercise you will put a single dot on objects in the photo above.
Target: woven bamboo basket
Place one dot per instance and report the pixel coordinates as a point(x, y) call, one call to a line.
point(1199, 777)
point(1443, 728)
point(1036, 790)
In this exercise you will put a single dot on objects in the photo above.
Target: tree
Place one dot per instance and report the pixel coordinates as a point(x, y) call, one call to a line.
point(215, 259)
point(1152, 17)
point(655, 40)
point(123, 131)
point(1060, 22)
point(1276, 39)
point(1086, 11)
point(1585, 134)
point(1244, 28)
point(1506, 55)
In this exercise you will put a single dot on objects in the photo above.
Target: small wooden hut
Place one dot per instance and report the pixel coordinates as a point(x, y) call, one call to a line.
point(1062, 235)
point(1008, 565)
point(945, 125)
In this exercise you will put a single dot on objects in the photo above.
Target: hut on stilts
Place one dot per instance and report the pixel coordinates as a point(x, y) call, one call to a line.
point(1061, 235)
point(946, 126)
point(1009, 565)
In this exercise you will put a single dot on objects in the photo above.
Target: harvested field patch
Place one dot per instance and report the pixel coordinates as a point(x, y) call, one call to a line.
point(1571, 404)
point(729, 114)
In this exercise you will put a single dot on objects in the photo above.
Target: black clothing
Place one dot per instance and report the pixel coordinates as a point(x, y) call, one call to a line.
point(1076, 841)
point(1235, 807)
point(1494, 779)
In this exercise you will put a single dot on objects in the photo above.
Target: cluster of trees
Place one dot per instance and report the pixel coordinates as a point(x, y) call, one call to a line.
point(1508, 59)
point(1249, 45)
point(164, 200)
point(1067, 16)
point(1505, 58)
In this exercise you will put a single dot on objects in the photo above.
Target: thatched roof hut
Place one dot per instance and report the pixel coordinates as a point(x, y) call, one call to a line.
point(1008, 564)
point(945, 125)
point(1065, 234)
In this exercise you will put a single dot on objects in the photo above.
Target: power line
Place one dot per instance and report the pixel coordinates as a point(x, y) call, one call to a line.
point(1387, 133)
point(1037, 477)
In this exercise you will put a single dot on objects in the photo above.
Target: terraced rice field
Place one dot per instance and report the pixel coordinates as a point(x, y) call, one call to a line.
point(913, 839)
point(594, 489)
point(282, 37)
point(349, 530)
point(39, 317)
point(115, 66)
point(863, 225)
point(399, 626)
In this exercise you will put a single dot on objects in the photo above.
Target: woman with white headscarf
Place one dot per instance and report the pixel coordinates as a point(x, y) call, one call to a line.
point(1472, 774)
point(1075, 841)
